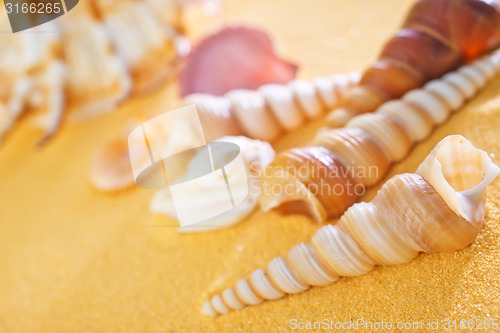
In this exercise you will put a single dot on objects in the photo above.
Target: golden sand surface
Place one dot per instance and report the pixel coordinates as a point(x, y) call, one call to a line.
point(76, 260)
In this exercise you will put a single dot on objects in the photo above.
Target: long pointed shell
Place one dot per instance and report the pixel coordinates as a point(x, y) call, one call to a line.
point(436, 37)
point(370, 143)
point(411, 213)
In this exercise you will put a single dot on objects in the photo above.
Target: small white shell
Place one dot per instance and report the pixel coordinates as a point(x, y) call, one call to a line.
point(215, 114)
point(208, 310)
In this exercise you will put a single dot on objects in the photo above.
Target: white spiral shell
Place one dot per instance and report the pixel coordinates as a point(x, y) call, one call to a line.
point(439, 208)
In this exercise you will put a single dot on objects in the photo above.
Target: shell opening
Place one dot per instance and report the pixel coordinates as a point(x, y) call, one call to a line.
point(460, 173)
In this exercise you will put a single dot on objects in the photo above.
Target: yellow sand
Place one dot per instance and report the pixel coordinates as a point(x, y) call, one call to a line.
point(76, 260)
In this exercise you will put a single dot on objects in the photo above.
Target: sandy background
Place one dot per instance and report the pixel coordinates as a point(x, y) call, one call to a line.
point(76, 260)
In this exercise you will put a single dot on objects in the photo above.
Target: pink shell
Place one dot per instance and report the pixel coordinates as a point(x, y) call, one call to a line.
point(236, 57)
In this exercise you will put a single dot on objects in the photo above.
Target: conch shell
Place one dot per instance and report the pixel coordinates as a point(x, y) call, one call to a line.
point(332, 173)
point(439, 208)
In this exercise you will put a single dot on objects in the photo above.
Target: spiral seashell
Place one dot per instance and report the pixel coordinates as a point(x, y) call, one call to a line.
point(146, 38)
point(91, 62)
point(439, 208)
point(262, 114)
point(256, 156)
point(272, 109)
point(215, 115)
point(98, 80)
point(360, 154)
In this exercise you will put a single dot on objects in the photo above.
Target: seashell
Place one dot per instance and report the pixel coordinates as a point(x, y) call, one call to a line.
point(326, 88)
point(269, 111)
point(261, 125)
point(357, 151)
point(387, 134)
point(256, 155)
point(169, 12)
point(461, 82)
point(236, 57)
point(417, 124)
point(110, 168)
point(144, 44)
point(447, 92)
point(439, 208)
point(306, 95)
point(23, 57)
point(305, 180)
point(216, 115)
point(475, 75)
point(100, 55)
point(365, 147)
point(280, 100)
point(240, 112)
point(436, 38)
point(424, 100)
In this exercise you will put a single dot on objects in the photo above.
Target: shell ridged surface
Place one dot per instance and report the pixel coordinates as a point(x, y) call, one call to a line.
point(411, 213)
point(435, 38)
point(371, 142)
point(272, 109)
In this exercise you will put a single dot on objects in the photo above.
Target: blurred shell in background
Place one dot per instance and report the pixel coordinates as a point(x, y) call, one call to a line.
point(89, 60)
